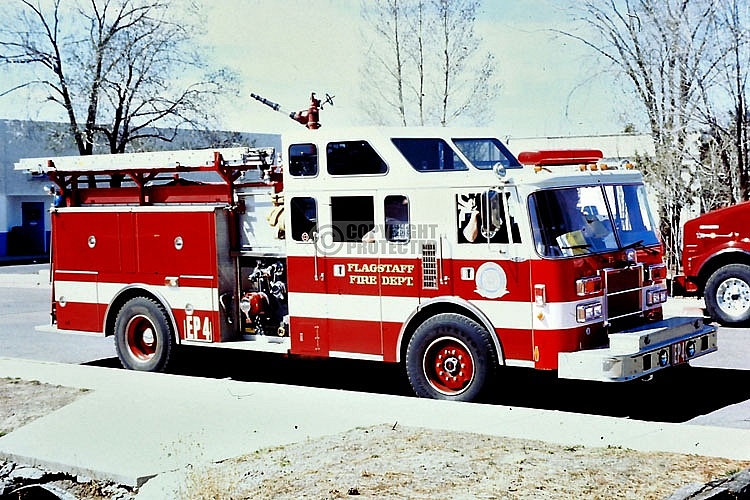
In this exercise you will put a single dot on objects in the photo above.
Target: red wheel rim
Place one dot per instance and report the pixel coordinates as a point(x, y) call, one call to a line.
point(141, 337)
point(449, 366)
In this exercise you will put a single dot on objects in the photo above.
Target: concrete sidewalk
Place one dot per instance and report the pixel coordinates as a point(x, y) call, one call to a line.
point(133, 426)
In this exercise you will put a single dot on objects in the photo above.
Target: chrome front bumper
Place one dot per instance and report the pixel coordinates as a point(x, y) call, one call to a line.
point(641, 351)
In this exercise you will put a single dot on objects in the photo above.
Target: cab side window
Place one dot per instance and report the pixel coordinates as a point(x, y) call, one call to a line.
point(303, 160)
point(429, 155)
point(485, 153)
point(481, 218)
point(352, 218)
point(304, 218)
point(354, 158)
point(396, 208)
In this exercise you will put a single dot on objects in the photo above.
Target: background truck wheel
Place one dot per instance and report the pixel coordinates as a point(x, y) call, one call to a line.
point(143, 336)
point(727, 294)
point(450, 357)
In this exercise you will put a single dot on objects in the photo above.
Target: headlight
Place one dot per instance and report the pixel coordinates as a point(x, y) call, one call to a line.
point(588, 312)
point(656, 296)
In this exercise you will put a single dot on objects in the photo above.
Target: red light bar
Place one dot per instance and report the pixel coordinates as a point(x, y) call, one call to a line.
point(548, 157)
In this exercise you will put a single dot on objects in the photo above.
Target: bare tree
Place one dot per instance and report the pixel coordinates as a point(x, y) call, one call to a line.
point(122, 70)
point(724, 108)
point(425, 63)
point(665, 51)
point(459, 43)
point(715, 172)
point(418, 52)
point(386, 19)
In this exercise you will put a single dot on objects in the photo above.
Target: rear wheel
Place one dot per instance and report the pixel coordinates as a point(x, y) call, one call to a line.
point(143, 335)
point(450, 357)
point(727, 294)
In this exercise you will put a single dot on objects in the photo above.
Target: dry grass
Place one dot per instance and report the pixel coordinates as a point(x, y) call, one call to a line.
point(383, 462)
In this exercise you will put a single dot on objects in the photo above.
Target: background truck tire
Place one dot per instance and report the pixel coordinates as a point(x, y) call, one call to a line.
point(450, 357)
point(143, 336)
point(727, 295)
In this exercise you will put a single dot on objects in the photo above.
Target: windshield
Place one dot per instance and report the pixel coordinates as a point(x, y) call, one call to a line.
point(591, 219)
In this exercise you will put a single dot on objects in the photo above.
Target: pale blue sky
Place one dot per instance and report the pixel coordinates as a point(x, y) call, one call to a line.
point(284, 49)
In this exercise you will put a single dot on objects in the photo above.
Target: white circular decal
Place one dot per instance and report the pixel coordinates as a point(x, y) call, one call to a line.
point(491, 281)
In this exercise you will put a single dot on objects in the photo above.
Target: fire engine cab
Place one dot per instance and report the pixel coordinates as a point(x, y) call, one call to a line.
point(436, 249)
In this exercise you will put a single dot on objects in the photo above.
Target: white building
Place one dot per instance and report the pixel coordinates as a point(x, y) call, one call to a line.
point(24, 204)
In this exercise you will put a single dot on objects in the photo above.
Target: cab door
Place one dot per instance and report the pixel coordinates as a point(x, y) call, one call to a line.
point(353, 246)
point(492, 265)
point(402, 241)
point(306, 264)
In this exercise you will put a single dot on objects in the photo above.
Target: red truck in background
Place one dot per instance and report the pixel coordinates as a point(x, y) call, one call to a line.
point(716, 262)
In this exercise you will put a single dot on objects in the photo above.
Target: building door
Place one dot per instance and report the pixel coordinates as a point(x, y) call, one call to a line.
point(32, 222)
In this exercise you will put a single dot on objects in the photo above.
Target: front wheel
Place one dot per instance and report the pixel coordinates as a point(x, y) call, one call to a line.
point(143, 335)
point(727, 295)
point(450, 357)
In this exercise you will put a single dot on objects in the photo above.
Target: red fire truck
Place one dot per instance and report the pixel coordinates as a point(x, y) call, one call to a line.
point(716, 262)
point(436, 249)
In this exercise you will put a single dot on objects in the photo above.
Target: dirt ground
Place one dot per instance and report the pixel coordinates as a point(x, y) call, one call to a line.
point(392, 462)
point(21, 401)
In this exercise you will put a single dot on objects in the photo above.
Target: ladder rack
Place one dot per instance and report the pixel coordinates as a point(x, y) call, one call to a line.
point(126, 179)
point(163, 161)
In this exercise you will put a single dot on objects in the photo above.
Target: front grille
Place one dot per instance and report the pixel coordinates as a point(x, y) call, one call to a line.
point(622, 292)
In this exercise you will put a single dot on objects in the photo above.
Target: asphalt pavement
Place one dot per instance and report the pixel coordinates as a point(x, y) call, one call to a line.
point(134, 426)
point(25, 295)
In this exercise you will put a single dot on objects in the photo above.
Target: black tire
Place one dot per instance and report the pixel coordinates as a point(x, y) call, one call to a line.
point(450, 357)
point(727, 295)
point(143, 335)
